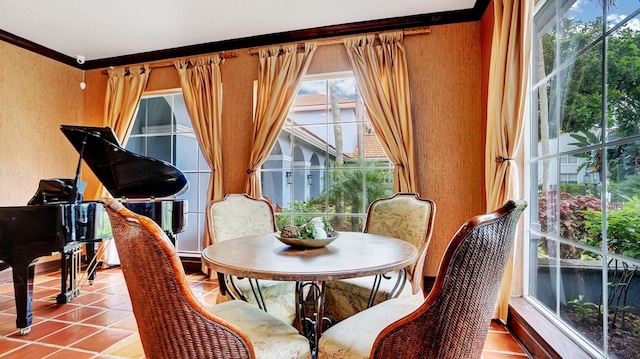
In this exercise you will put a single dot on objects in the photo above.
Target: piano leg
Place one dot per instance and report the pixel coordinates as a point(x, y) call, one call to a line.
point(91, 260)
point(23, 272)
point(171, 236)
point(69, 264)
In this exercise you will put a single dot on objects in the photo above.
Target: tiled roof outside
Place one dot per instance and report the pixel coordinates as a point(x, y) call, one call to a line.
point(318, 99)
point(372, 147)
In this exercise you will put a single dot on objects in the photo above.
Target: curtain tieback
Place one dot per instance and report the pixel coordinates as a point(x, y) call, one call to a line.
point(399, 165)
point(250, 171)
point(503, 159)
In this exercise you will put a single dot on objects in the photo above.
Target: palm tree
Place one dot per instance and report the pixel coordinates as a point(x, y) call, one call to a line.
point(346, 183)
point(337, 133)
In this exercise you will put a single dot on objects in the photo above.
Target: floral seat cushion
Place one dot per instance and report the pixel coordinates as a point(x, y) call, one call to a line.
point(353, 338)
point(265, 332)
point(404, 216)
point(239, 215)
point(279, 297)
point(349, 296)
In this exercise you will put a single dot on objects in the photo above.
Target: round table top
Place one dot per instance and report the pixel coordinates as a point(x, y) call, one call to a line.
point(353, 254)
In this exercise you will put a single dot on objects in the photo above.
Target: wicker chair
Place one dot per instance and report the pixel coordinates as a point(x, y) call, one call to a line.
point(405, 216)
point(238, 215)
point(453, 320)
point(172, 323)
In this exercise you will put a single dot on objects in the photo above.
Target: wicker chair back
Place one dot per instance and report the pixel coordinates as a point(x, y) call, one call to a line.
point(171, 321)
point(453, 321)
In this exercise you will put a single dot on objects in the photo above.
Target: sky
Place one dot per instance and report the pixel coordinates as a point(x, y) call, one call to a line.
point(346, 87)
point(588, 10)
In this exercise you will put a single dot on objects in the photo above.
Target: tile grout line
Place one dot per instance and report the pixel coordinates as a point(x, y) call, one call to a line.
point(111, 287)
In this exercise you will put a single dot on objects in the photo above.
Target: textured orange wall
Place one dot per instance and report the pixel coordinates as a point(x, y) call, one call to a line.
point(37, 95)
point(446, 93)
point(449, 127)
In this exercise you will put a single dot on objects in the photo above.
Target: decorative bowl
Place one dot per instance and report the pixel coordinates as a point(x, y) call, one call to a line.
point(307, 243)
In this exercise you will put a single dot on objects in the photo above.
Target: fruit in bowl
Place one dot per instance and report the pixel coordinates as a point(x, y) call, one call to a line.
point(315, 228)
point(313, 234)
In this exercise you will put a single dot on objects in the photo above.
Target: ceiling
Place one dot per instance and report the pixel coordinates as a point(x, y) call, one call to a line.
point(116, 32)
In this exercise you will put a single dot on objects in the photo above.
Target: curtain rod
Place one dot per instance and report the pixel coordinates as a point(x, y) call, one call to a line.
point(155, 65)
point(338, 40)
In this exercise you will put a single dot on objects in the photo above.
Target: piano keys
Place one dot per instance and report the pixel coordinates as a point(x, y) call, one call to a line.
point(56, 220)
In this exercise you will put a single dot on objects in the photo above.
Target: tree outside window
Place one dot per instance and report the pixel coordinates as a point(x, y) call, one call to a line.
point(585, 171)
point(327, 161)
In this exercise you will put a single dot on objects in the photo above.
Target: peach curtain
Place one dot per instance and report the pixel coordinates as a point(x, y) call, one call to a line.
point(382, 77)
point(201, 84)
point(281, 71)
point(507, 91)
point(124, 90)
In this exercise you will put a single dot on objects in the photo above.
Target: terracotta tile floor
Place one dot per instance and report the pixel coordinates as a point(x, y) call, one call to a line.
point(99, 323)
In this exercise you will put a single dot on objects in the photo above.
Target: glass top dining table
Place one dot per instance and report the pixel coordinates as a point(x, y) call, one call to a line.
point(353, 254)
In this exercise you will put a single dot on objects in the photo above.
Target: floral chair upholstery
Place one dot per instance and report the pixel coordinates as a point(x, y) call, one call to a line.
point(171, 321)
point(239, 215)
point(453, 320)
point(405, 216)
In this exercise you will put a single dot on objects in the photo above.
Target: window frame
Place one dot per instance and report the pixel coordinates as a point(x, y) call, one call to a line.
point(195, 212)
point(530, 182)
point(288, 216)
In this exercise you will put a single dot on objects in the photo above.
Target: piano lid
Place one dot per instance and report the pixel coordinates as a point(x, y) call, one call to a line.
point(57, 190)
point(122, 172)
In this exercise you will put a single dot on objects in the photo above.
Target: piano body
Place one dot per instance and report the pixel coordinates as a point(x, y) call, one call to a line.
point(30, 232)
point(56, 220)
point(142, 184)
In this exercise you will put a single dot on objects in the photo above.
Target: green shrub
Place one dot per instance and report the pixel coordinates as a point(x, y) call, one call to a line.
point(629, 187)
point(575, 189)
point(623, 228)
point(300, 209)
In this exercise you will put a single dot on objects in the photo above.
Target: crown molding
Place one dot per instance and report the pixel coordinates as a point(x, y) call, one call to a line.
point(405, 22)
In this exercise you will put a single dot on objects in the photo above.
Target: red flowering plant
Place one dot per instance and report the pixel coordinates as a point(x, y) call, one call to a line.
point(571, 216)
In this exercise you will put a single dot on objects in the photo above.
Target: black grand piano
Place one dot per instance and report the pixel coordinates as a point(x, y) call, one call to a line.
point(57, 220)
point(143, 184)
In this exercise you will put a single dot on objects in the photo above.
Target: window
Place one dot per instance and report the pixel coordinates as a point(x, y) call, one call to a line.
point(327, 160)
point(584, 164)
point(568, 178)
point(571, 160)
point(162, 129)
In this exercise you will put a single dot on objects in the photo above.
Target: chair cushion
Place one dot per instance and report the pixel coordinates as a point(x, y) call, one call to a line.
point(271, 337)
point(401, 217)
point(279, 297)
point(238, 216)
point(347, 297)
point(353, 338)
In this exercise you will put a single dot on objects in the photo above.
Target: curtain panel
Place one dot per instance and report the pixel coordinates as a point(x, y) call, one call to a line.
point(280, 74)
point(201, 84)
point(382, 77)
point(124, 90)
point(508, 81)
